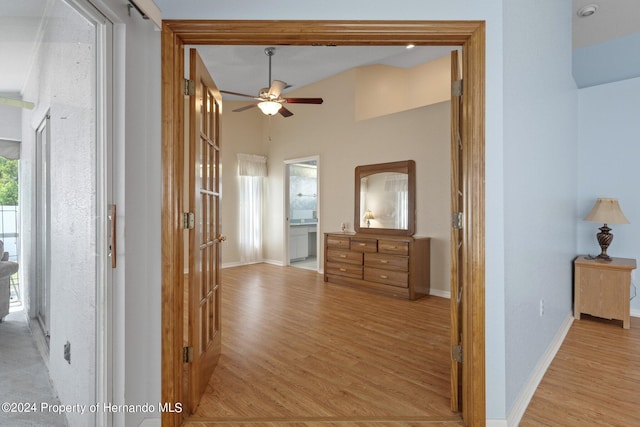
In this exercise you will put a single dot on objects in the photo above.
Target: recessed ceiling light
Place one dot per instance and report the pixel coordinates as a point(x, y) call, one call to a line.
point(587, 10)
point(411, 46)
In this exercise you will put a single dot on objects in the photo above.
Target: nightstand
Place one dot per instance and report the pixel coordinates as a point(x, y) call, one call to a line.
point(601, 288)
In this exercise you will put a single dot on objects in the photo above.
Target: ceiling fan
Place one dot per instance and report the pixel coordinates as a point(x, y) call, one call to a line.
point(269, 99)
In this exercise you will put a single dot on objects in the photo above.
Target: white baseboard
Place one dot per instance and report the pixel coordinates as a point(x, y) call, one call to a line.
point(496, 423)
point(635, 313)
point(240, 264)
point(230, 265)
point(529, 390)
point(438, 293)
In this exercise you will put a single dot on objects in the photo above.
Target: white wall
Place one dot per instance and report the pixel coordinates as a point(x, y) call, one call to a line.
point(63, 80)
point(540, 172)
point(137, 341)
point(608, 153)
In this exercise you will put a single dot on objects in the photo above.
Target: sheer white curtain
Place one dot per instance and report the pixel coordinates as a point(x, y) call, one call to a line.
point(252, 169)
point(399, 184)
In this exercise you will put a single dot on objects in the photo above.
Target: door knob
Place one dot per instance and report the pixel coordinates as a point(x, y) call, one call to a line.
point(221, 238)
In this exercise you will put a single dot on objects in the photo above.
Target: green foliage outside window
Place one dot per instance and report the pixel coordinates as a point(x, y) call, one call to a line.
point(8, 182)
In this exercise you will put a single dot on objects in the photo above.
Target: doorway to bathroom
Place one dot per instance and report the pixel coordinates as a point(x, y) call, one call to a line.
point(302, 205)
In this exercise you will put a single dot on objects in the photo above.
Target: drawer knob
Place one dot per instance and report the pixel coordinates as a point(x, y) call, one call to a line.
point(384, 261)
point(343, 269)
point(382, 276)
point(343, 256)
point(362, 244)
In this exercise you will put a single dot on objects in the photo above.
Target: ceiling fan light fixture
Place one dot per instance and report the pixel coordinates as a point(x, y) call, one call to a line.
point(269, 108)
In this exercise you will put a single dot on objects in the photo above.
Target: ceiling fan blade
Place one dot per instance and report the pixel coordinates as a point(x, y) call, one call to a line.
point(284, 112)
point(239, 94)
point(277, 86)
point(246, 107)
point(17, 103)
point(304, 100)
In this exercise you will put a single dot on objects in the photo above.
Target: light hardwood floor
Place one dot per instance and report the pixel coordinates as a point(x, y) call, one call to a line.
point(594, 380)
point(300, 352)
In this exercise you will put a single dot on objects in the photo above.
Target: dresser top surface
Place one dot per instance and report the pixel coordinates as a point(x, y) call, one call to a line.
point(619, 263)
point(374, 236)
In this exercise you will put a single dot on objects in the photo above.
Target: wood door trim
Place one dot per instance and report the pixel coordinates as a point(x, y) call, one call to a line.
point(456, 367)
point(468, 34)
point(172, 234)
point(473, 173)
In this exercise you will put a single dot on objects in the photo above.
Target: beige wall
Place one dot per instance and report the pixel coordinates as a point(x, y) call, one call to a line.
point(382, 89)
point(342, 143)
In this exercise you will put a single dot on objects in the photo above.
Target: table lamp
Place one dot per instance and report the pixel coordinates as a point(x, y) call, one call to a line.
point(368, 215)
point(606, 211)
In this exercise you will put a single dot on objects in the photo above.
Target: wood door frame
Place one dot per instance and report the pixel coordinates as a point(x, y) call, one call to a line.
point(468, 34)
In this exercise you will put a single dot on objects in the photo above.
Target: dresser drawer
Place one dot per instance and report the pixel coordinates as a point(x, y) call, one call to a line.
point(386, 262)
point(347, 257)
point(341, 242)
point(387, 277)
point(364, 245)
point(393, 247)
point(346, 270)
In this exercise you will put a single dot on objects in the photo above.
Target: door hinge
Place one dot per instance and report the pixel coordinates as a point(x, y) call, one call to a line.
point(189, 87)
point(187, 354)
point(457, 220)
point(188, 220)
point(457, 88)
point(456, 353)
point(111, 217)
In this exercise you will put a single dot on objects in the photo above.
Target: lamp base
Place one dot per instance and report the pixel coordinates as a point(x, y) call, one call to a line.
point(604, 240)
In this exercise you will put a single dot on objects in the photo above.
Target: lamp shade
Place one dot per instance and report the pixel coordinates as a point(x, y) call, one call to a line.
point(269, 108)
point(606, 211)
point(368, 214)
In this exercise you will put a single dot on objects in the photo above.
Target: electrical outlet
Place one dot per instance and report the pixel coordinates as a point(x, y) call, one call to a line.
point(67, 352)
point(541, 307)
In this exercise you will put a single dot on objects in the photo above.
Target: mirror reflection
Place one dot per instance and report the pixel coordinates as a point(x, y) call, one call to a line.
point(385, 198)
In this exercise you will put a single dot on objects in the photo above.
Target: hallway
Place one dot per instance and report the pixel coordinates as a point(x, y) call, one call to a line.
point(24, 379)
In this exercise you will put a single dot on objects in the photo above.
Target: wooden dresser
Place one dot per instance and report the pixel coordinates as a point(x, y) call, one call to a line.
point(397, 265)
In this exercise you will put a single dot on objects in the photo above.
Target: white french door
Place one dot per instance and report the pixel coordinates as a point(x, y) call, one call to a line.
point(42, 220)
point(74, 212)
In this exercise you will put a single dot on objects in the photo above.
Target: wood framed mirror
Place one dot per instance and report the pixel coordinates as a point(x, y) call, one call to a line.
point(385, 198)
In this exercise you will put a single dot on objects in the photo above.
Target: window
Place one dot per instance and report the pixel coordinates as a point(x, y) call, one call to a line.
point(252, 169)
